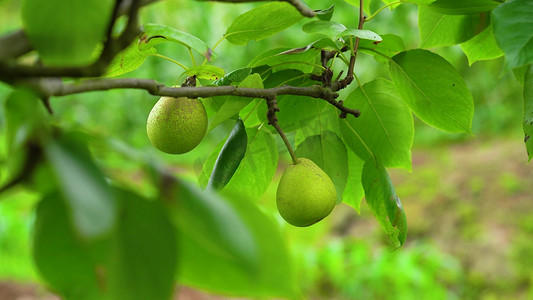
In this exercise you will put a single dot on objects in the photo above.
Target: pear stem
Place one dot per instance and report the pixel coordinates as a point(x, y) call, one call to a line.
point(273, 120)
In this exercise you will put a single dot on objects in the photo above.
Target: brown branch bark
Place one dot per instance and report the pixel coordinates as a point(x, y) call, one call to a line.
point(47, 87)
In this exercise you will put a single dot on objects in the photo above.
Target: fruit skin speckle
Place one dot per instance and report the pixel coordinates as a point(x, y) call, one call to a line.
point(176, 125)
point(305, 194)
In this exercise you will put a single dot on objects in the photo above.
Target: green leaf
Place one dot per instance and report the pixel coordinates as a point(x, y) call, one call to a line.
point(66, 33)
point(354, 192)
point(262, 22)
point(24, 118)
point(383, 201)
point(328, 28)
point(58, 251)
point(361, 33)
point(433, 89)
point(143, 259)
point(481, 47)
point(272, 278)
point(520, 73)
point(528, 111)
point(385, 127)
point(384, 50)
point(230, 157)
point(329, 153)
point(325, 14)
point(208, 72)
point(283, 59)
point(462, 7)
point(128, 60)
point(154, 34)
point(234, 76)
point(513, 29)
point(87, 193)
point(438, 29)
point(257, 167)
point(423, 2)
point(233, 104)
point(213, 223)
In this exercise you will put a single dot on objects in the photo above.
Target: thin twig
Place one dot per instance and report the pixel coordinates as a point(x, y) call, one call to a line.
point(273, 120)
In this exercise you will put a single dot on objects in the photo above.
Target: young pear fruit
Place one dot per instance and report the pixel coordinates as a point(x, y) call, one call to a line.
point(305, 194)
point(176, 125)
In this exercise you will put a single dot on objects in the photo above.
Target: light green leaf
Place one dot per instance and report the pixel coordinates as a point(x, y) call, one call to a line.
point(262, 22)
point(233, 76)
point(272, 278)
point(57, 251)
point(280, 59)
point(325, 14)
point(438, 29)
point(143, 256)
point(513, 29)
point(361, 33)
point(462, 7)
point(528, 111)
point(66, 33)
point(481, 47)
point(329, 153)
point(383, 201)
point(208, 72)
point(154, 34)
point(328, 28)
point(128, 60)
point(384, 50)
point(423, 2)
point(257, 167)
point(433, 89)
point(233, 104)
point(354, 192)
point(88, 195)
point(385, 127)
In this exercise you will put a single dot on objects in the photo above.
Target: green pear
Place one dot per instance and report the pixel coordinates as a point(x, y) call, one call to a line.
point(305, 194)
point(176, 125)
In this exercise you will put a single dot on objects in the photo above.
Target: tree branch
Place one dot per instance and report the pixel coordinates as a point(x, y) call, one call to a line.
point(47, 87)
point(299, 5)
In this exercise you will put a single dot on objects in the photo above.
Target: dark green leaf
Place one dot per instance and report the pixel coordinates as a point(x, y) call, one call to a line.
point(257, 167)
point(230, 157)
point(528, 111)
point(513, 29)
point(214, 224)
point(438, 29)
point(433, 89)
point(329, 153)
point(87, 193)
point(208, 72)
point(204, 268)
point(354, 192)
point(462, 7)
point(128, 60)
point(154, 34)
point(64, 260)
point(481, 47)
point(385, 127)
point(24, 118)
point(262, 22)
point(383, 201)
point(143, 259)
point(234, 76)
point(520, 73)
point(233, 104)
point(66, 33)
point(325, 14)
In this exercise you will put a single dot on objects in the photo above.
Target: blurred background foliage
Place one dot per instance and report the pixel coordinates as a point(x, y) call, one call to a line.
point(468, 199)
